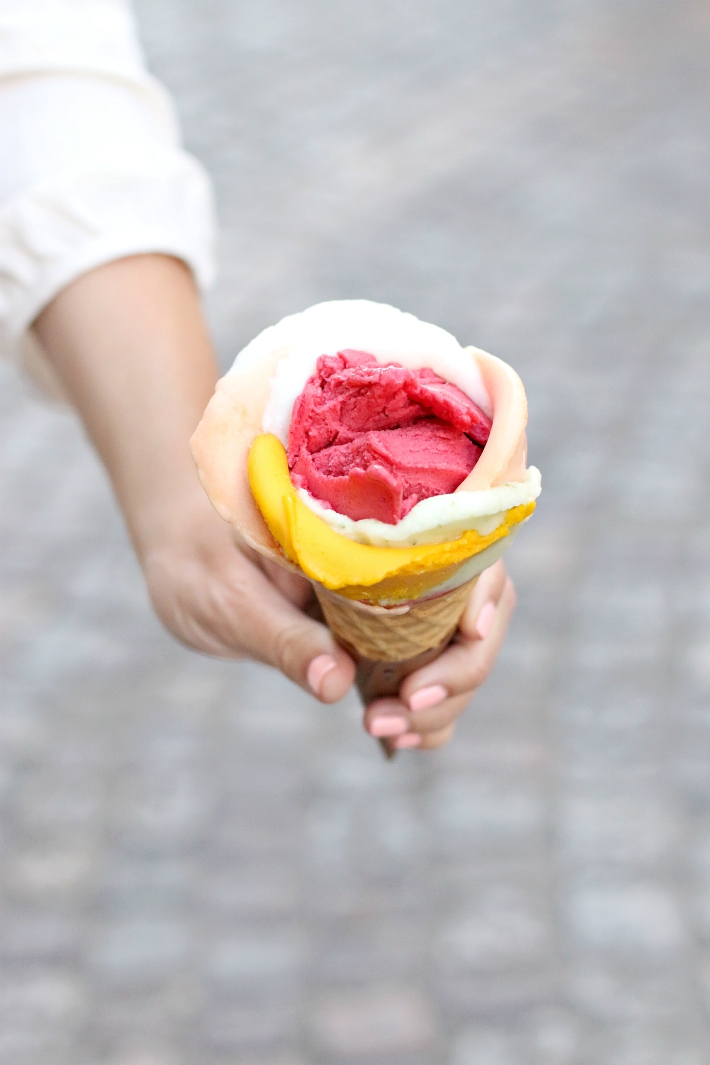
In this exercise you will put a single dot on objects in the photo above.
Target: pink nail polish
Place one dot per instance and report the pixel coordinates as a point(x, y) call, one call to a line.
point(317, 670)
point(410, 740)
point(425, 698)
point(388, 726)
point(485, 620)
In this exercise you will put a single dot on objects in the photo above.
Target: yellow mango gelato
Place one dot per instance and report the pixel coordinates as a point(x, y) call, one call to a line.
point(355, 570)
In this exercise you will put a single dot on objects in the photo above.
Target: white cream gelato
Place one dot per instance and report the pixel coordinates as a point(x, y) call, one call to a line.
point(380, 330)
point(438, 518)
point(390, 335)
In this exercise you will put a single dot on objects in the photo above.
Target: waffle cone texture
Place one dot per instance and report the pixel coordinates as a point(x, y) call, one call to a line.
point(391, 636)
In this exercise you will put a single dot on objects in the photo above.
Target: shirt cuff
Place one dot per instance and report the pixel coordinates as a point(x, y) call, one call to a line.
point(59, 229)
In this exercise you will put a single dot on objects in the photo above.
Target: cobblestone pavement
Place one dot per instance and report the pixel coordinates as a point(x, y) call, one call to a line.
point(200, 864)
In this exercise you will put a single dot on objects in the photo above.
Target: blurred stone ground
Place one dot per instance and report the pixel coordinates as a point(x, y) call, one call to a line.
point(201, 865)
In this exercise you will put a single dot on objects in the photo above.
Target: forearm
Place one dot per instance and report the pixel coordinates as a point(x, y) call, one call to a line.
point(130, 344)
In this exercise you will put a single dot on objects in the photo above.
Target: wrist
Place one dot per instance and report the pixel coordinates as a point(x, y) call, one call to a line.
point(131, 346)
point(175, 522)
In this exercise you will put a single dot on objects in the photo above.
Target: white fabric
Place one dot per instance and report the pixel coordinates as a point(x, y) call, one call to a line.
point(91, 166)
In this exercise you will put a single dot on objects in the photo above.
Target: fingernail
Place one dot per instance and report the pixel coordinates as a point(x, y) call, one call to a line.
point(485, 620)
point(425, 698)
point(317, 670)
point(388, 726)
point(410, 740)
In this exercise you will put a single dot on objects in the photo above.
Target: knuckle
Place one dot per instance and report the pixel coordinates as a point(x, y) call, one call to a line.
point(510, 592)
point(497, 577)
point(477, 674)
point(438, 739)
point(467, 624)
point(288, 649)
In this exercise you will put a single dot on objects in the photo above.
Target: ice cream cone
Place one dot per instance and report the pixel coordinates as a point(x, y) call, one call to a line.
point(393, 608)
point(394, 634)
point(388, 644)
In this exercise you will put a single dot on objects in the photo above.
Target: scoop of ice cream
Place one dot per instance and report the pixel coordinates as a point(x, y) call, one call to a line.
point(373, 440)
point(257, 396)
point(378, 575)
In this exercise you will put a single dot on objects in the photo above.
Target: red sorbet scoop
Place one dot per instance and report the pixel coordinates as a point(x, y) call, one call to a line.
point(371, 441)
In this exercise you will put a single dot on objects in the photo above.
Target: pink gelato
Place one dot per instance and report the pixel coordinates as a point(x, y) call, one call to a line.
point(371, 441)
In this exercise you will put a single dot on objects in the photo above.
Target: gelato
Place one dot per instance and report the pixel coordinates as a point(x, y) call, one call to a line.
point(372, 440)
point(445, 539)
point(368, 451)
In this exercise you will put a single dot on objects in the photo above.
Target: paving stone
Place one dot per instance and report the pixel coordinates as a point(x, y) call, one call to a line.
point(161, 810)
point(487, 1047)
point(240, 888)
point(609, 992)
point(649, 1045)
point(374, 1022)
point(137, 949)
point(140, 1057)
point(501, 928)
point(38, 873)
point(278, 1059)
point(632, 916)
point(254, 956)
point(485, 810)
point(617, 730)
point(38, 1011)
point(487, 996)
point(239, 1026)
point(353, 946)
point(556, 1037)
point(39, 935)
point(697, 662)
point(626, 828)
point(59, 802)
point(203, 866)
point(159, 1014)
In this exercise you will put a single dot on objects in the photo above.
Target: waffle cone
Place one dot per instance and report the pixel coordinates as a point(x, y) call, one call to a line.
point(391, 635)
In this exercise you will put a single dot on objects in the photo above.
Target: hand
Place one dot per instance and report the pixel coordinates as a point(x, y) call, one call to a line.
point(232, 603)
point(432, 699)
point(130, 343)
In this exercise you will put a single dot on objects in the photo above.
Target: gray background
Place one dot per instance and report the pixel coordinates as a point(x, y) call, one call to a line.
point(200, 864)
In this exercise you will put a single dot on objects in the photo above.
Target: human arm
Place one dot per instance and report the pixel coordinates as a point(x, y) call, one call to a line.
point(129, 343)
point(94, 186)
point(91, 193)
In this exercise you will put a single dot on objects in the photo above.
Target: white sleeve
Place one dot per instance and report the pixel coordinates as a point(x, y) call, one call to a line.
point(91, 166)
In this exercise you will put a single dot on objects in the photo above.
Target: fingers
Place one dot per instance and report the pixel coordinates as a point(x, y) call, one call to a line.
point(432, 740)
point(390, 719)
point(218, 602)
point(466, 663)
point(486, 594)
point(431, 699)
point(292, 585)
point(275, 631)
point(330, 673)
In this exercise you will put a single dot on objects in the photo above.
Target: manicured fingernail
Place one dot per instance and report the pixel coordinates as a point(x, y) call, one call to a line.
point(425, 698)
point(410, 740)
point(317, 670)
point(485, 620)
point(388, 726)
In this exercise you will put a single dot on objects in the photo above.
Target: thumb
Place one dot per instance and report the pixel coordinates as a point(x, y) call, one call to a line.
point(305, 651)
point(217, 601)
point(277, 632)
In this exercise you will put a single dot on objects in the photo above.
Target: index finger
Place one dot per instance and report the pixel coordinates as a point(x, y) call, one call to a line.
point(468, 660)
